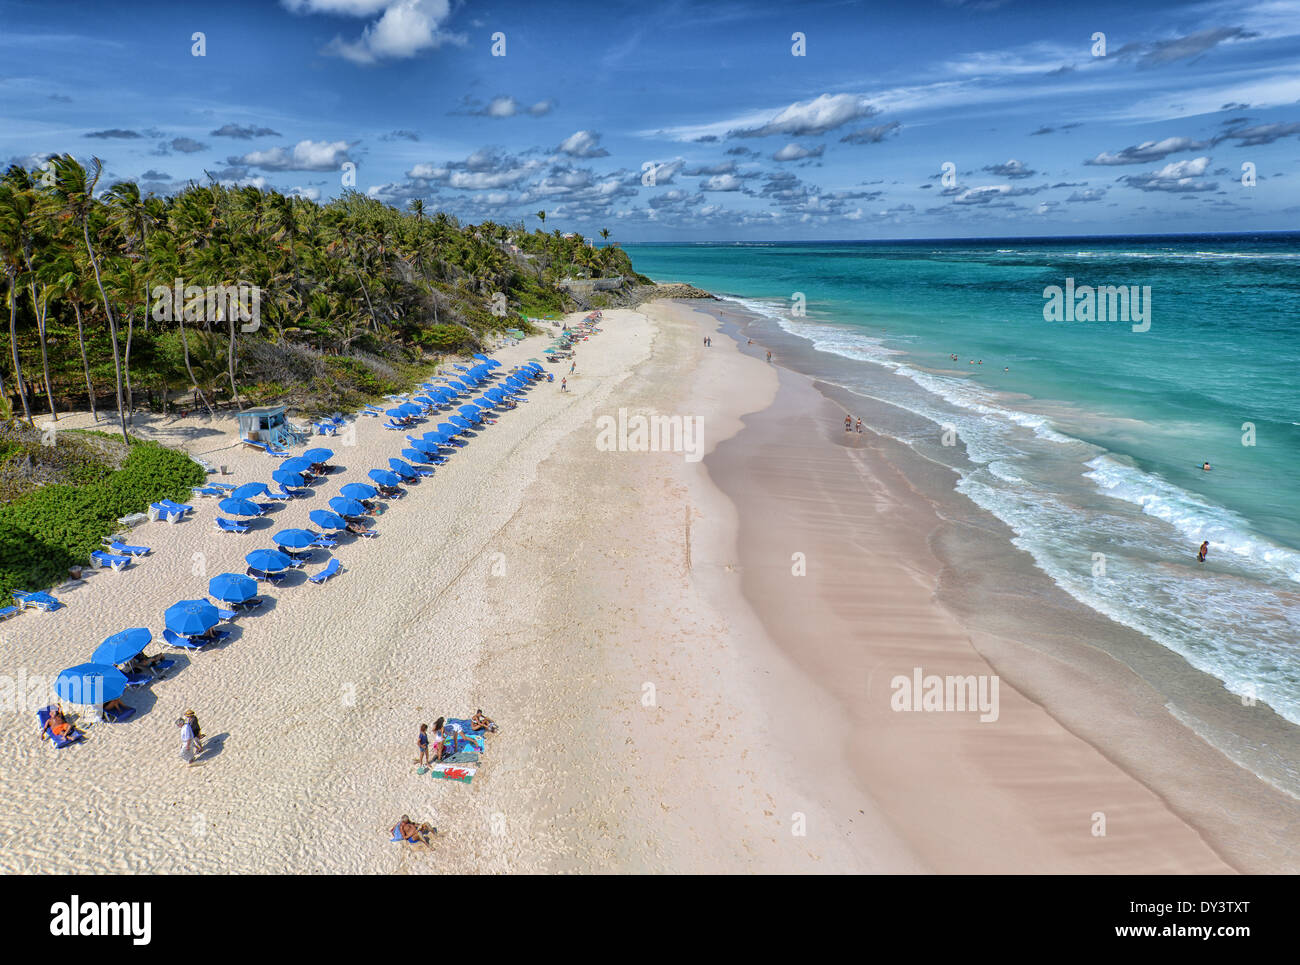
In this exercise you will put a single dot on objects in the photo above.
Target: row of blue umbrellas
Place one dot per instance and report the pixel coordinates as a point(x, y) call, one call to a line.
point(99, 680)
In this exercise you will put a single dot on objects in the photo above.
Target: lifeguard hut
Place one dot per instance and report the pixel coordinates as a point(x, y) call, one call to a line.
point(266, 424)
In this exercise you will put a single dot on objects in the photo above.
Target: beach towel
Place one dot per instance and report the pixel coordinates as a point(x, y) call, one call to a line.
point(454, 772)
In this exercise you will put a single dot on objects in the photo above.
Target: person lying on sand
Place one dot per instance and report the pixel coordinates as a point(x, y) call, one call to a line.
point(142, 664)
point(479, 722)
point(358, 529)
point(57, 725)
point(114, 705)
point(413, 833)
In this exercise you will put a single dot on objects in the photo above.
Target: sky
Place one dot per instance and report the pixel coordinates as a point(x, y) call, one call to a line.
point(687, 121)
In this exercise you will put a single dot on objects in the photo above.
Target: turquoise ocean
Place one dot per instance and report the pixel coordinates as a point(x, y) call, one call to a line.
point(1086, 437)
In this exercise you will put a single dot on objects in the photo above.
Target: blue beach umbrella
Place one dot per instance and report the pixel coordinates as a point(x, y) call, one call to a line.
point(401, 468)
point(294, 539)
point(286, 478)
point(90, 683)
point(385, 478)
point(411, 409)
point(358, 491)
point(396, 412)
point(190, 618)
point(347, 507)
point(320, 454)
point(459, 422)
point(481, 357)
point(239, 507)
point(421, 446)
point(469, 410)
point(268, 561)
point(463, 368)
point(122, 646)
point(232, 587)
point(415, 455)
point(297, 464)
point(327, 520)
point(249, 490)
point(449, 430)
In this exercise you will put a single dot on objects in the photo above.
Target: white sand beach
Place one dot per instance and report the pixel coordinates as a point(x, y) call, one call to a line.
point(592, 602)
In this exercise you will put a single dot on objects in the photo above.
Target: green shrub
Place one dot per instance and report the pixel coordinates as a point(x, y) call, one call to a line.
point(55, 527)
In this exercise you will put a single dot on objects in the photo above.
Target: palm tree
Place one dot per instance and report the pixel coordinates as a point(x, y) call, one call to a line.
point(542, 216)
point(15, 211)
point(604, 234)
point(75, 188)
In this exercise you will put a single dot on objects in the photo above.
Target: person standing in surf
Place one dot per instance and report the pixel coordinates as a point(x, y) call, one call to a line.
point(1205, 548)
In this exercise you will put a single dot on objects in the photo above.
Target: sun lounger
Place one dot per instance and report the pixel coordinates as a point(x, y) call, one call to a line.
point(225, 616)
point(396, 427)
point(269, 450)
point(273, 578)
point(39, 600)
point(162, 512)
point(119, 716)
point(290, 493)
point(161, 667)
point(325, 428)
point(73, 737)
point(277, 497)
point(138, 679)
point(110, 560)
point(231, 525)
point(332, 567)
point(174, 639)
point(117, 546)
point(9, 611)
point(176, 507)
point(207, 491)
point(248, 606)
point(325, 542)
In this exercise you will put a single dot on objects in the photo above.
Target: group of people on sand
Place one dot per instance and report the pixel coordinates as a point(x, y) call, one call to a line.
point(432, 749)
point(848, 424)
point(441, 737)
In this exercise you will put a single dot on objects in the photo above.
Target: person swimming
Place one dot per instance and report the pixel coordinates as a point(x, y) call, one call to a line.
point(1205, 466)
point(1205, 548)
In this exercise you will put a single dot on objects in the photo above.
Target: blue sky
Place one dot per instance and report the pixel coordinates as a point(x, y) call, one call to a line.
point(689, 120)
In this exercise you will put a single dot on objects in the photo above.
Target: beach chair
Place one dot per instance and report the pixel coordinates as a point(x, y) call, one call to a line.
point(231, 525)
point(275, 579)
point(325, 428)
point(176, 507)
point(325, 542)
point(332, 567)
point(140, 678)
point(174, 639)
point(263, 447)
point(288, 493)
point(282, 497)
point(207, 491)
point(39, 600)
point(110, 561)
point(367, 533)
point(9, 611)
point(74, 737)
point(393, 426)
point(161, 667)
point(117, 546)
point(117, 716)
point(225, 616)
point(162, 512)
point(224, 487)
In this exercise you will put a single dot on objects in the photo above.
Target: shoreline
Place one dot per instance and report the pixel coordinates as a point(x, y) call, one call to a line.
point(1031, 632)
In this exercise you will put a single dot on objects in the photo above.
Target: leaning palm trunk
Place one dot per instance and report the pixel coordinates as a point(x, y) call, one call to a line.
point(85, 362)
point(370, 308)
point(41, 314)
point(13, 342)
point(112, 325)
point(185, 350)
point(126, 364)
point(230, 364)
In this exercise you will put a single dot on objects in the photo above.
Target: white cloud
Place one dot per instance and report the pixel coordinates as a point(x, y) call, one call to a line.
point(404, 29)
point(797, 152)
point(582, 144)
point(303, 156)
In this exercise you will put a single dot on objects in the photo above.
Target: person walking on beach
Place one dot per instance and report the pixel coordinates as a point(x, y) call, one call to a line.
point(439, 740)
point(1205, 549)
point(859, 423)
point(422, 745)
point(191, 737)
point(564, 384)
point(848, 423)
point(769, 355)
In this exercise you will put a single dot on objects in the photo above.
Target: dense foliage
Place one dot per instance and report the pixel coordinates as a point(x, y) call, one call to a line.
point(352, 279)
point(54, 527)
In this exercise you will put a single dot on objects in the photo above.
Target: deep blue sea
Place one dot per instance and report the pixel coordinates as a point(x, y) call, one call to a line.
point(1086, 437)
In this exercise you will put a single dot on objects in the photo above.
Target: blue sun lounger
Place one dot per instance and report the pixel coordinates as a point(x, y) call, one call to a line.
point(117, 546)
point(110, 561)
point(118, 716)
point(75, 737)
point(225, 616)
point(275, 579)
point(325, 542)
point(248, 606)
point(174, 639)
point(292, 493)
point(207, 491)
point(263, 447)
point(9, 611)
point(277, 497)
point(390, 424)
point(332, 567)
point(139, 678)
point(39, 600)
point(176, 507)
point(231, 525)
point(166, 513)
